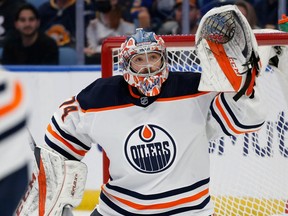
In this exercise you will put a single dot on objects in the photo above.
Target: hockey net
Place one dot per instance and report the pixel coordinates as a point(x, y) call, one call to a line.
point(249, 173)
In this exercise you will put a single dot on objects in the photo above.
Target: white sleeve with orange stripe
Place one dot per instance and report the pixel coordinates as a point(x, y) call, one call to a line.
point(234, 118)
point(13, 120)
point(67, 133)
point(55, 183)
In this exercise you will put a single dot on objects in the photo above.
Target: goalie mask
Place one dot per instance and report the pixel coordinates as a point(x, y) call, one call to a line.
point(143, 60)
point(228, 51)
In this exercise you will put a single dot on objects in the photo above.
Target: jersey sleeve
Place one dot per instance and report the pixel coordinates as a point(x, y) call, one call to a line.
point(235, 117)
point(13, 107)
point(13, 124)
point(68, 131)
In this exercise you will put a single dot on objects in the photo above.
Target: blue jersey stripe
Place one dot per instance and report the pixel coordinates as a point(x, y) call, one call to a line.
point(122, 211)
point(69, 137)
point(214, 114)
point(159, 195)
point(235, 120)
point(11, 131)
point(59, 150)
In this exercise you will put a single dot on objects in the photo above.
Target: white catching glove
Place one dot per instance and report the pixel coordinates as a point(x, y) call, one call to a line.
point(228, 52)
point(55, 183)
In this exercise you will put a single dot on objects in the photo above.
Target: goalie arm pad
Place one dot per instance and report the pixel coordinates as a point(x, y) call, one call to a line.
point(55, 183)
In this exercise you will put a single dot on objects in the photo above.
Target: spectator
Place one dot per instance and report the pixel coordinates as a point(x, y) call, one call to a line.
point(29, 46)
point(164, 9)
point(108, 22)
point(175, 27)
point(126, 8)
point(161, 12)
point(140, 13)
point(14, 143)
point(58, 20)
point(248, 11)
point(208, 4)
point(267, 14)
point(7, 13)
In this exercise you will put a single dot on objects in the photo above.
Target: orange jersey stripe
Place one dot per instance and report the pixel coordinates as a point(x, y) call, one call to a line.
point(161, 205)
point(223, 114)
point(17, 98)
point(182, 97)
point(107, 108)
point(56, 136)
point(129, 105)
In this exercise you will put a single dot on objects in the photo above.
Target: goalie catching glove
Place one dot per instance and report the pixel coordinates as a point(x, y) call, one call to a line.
point(55, 183)
point(228, 52)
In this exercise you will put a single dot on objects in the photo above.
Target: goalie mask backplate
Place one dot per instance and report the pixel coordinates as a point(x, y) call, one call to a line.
point(225, 43)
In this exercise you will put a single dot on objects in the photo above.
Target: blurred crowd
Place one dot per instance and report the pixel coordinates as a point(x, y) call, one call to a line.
point(26, 30)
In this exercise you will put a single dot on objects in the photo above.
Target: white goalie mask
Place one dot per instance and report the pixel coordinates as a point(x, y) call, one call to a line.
point(144, 62)
point(227, 49)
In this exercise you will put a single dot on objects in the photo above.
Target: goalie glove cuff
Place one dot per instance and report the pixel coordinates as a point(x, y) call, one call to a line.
point(248, 86)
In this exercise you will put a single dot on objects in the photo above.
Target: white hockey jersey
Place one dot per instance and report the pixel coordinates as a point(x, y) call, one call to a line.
point(14, 146)
point(157, 146)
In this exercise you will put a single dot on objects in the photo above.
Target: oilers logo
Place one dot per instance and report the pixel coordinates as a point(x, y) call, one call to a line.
point(150, 149)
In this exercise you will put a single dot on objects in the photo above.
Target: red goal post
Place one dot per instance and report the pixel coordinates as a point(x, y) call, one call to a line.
point(253, 150)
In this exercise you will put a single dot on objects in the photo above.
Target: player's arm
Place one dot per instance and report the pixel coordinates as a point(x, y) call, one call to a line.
point(58, 177)
point(67, 132)
point(228, 52)
point(235, 117)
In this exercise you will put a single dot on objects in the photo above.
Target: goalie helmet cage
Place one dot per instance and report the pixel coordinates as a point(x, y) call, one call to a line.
point(249, 173)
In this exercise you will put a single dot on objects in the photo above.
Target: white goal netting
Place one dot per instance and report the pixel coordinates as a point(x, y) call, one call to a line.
point(249, 173)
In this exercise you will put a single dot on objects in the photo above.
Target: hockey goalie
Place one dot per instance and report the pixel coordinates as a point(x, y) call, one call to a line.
point(154, 125)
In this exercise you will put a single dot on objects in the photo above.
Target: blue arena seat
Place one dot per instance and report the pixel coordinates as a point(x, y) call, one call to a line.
point(67, 56)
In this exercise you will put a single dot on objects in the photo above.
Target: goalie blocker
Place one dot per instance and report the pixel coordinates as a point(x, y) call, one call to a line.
point(55, 183)
point(228, 51)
